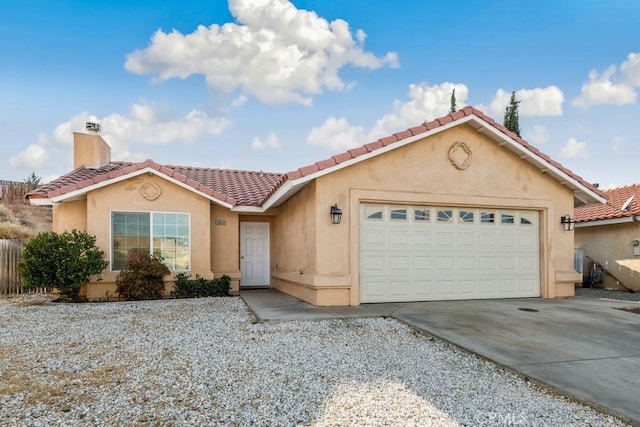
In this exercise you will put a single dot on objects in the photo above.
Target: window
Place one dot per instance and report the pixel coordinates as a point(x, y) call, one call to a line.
point(487, 218)
point(373, 213)
point(164, 235)
point(398, 214)
point(421, 215)
point(445, 215)
point(466, 217)
point(507, 218)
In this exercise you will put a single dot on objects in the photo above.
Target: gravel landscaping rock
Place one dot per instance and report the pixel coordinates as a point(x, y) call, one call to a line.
point(206, 362)
point(607, 294)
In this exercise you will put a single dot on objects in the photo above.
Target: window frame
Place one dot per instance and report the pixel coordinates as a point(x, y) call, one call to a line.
point(151, 234)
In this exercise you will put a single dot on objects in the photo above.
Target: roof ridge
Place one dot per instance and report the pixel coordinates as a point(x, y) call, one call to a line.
point(222, 169)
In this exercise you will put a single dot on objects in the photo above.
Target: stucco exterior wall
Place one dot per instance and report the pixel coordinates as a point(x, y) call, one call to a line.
point(611, 246)
point(70, 216)
point(421, 173)
point(127, 196)
point(294, 249)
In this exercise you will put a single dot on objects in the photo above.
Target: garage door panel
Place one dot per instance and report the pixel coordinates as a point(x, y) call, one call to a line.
point(399, 288)
point(422, 287)
point(398, 239)
point(445, 263)
point(467, 287)
point(445, 288)
point(374, 264)
point(466, 239)
point(486, 240)
point(399, 264)
point(374, 239)
point(421, 264)
point(448, 253)
point(467, 263)
point(508, 263)
point(421, 239)
point(445, 239)
point(487, 263)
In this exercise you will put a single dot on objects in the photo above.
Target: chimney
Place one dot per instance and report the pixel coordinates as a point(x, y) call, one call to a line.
point(89, 149)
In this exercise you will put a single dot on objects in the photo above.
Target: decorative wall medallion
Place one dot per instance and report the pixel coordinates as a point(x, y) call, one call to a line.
point(151, 191)
point(460, 155)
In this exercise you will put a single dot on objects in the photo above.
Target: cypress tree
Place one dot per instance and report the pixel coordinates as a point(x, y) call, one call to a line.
point(454, 107)
point(511, 116)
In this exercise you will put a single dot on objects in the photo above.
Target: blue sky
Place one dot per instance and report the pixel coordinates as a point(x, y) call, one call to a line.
point(275, 85)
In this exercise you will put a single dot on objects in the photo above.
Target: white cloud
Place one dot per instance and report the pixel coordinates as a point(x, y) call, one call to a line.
point(533, 102)
point(142, 125)
point(574, 148)
point(630, 70)
point(275, 52)
point(425, 103)
point(337, 134)
point(270, 142)
point(538, 135)
point(601, 90)
point(32, 157)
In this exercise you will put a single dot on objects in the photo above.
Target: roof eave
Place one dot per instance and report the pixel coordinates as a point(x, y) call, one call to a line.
point(609, 221)
point(76, 194)
point(583, 195)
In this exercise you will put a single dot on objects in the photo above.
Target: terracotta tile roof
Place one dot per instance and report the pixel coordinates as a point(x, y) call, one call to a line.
point(249, 188)
point(616, 198)
point(427, 126)
point(231, 186)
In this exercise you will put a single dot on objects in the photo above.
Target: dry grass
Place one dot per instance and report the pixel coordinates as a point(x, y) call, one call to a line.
point(9, 230)
point(21, 220)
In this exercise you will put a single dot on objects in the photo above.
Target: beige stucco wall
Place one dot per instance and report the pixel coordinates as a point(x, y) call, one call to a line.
point(419, 173)
point(611, 246)
point(70, 216)
point(95, 214)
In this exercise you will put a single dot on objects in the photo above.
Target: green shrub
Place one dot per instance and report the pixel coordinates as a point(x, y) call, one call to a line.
point(185, 287)
point(63, 261)
point(13, 231)
point(142, 279)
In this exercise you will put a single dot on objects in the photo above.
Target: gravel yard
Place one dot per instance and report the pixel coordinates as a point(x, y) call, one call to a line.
point(205, 362)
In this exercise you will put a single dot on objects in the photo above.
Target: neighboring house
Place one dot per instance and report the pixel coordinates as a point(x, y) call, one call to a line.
point(609, 236)
point(456, 208)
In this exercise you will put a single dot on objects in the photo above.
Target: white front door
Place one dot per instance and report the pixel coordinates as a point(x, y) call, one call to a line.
point(254, 254)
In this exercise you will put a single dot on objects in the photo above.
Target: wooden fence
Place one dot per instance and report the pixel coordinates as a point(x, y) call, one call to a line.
point(10, 282)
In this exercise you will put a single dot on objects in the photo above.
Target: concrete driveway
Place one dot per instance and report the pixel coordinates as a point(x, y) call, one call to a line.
point(582, 348)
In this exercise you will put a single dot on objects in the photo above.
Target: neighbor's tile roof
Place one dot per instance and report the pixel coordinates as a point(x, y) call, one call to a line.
point(254, 188)
point(616, 198)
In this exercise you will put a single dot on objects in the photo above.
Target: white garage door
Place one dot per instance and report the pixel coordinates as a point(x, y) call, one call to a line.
point(418, 253)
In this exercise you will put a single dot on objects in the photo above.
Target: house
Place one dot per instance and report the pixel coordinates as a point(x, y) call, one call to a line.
point(455, 208)
point(609, 236)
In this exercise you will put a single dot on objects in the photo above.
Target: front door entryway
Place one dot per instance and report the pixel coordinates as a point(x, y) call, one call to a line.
point(254, 254)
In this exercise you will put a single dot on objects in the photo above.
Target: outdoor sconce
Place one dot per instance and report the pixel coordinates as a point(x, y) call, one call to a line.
point(567, 222)
point(336, 214)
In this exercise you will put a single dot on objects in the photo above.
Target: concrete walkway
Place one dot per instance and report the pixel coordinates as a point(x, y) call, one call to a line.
point(581, 348)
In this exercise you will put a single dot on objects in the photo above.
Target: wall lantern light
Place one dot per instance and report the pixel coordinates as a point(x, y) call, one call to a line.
point(336, 214)
point(567, 222)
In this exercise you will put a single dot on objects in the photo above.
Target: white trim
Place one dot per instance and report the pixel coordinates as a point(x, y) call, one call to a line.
point(149, 170)
point(39, 201)
point(611, 221)
point(290, 187)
